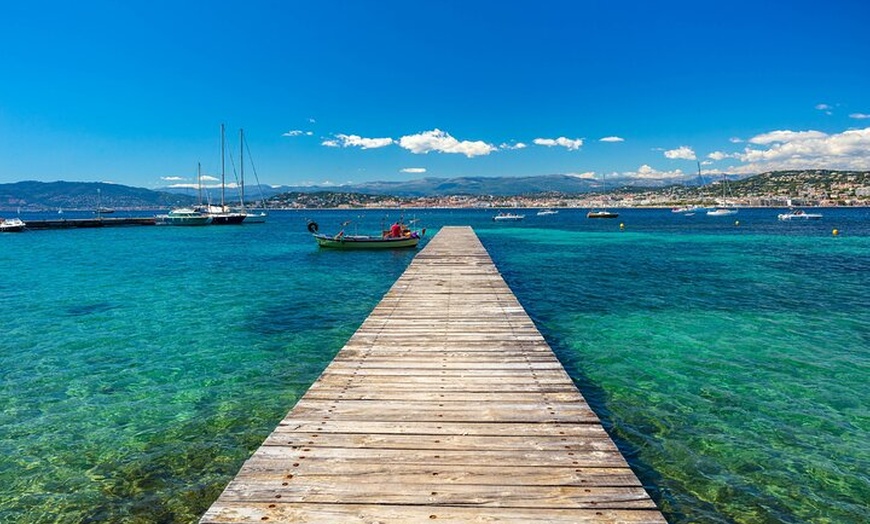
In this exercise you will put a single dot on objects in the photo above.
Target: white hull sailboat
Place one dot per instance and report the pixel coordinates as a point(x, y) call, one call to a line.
point(602, 213)
point(250, 217)
point(723, 210)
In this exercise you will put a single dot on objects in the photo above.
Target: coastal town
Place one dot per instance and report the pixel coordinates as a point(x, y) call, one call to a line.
point(777, 189)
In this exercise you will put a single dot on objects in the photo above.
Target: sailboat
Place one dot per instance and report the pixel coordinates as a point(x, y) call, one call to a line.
point(604, 213)
point(250, 217)
point(223, 214)
point(723, 210)
point(690, 209)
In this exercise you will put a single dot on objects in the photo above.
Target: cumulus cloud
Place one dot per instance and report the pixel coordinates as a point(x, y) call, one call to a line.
point(823, 107)
point(647, 171)
point(786, 149)
point(719, 155)
point(413, 170)
point(735, 140)
point(681, 153)
point(568, 143)
point(612, 139)
point(784, 136)
point(442, 142)
point(342, 140)
point(859, 116)
point(516, 145)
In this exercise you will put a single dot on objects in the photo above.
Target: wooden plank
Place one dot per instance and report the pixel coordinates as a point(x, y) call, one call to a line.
point(343, 513)
point(446, 404)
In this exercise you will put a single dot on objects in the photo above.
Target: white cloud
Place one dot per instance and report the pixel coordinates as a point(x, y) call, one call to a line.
point(293, 132)
point(806, 150)
point(213, 185)
point(413, 170)
point(442, 142)
point(568, 143)
point(681, 153)
point(785, 136)
point(647, 171)
point(209, 178)
point(827, 109)
point(517, 145)
point(612, 139)
point(859, 116)
point(719, 155)
point(735, 140)
point(588, 175)
point(172, 178)
point(342, 140)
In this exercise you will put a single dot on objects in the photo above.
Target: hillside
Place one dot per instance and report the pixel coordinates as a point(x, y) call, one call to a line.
point(41, 196)
point(810, 185)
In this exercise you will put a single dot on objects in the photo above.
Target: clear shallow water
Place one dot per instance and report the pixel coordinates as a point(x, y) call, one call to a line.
point(141, 366)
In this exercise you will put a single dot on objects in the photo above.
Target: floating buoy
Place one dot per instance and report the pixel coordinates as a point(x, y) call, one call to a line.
point(312, 227)
point(736, 222)
point(621, 226)
point(835, 232)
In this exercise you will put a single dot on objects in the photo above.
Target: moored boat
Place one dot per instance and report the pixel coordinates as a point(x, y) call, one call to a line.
point(185, 216)
point(221, 215)
point(12, 225)
point(687, 210)
point(798, 214)
point(252, 217)
point(508, 216)
point(721, 212)
point(602, 214)
point(397, 237)
point(545, 212)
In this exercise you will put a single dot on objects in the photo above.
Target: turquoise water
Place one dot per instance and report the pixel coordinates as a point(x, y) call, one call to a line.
point(141, 366)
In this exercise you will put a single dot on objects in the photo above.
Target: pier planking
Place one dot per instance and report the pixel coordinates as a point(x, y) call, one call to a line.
point(446, 404)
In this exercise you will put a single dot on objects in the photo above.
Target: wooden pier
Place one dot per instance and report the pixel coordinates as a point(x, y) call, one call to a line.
point(446, 405)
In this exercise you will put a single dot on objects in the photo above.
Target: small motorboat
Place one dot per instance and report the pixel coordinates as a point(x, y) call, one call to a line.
point(545, 212)
point(798, 214)
point(602, 214)
point(12, 225)
point(721, 212)
point(508, 216)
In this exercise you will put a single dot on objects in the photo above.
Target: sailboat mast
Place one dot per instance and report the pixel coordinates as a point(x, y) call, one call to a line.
point(199, 182)
point(223, 168)
point(242, 166)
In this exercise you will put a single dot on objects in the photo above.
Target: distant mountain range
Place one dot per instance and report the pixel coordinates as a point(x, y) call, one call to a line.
point(89, 195)
point(496, 186)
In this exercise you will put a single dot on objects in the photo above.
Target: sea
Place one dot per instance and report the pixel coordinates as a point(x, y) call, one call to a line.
point(728, 357)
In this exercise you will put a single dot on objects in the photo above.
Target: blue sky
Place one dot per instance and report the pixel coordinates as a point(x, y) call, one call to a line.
point(349, 91)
